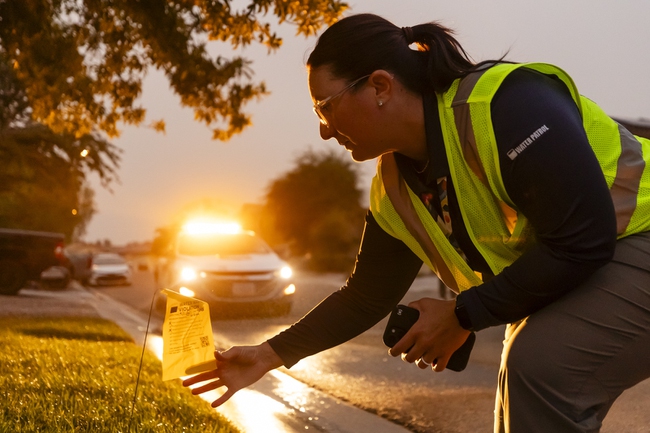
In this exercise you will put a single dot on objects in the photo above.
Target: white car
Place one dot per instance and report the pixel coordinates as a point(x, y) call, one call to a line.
point(109, 269)
point(229, 270)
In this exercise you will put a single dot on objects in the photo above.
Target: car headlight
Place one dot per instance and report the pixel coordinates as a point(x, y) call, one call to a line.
point(290, 289)
point(285, 272)
point(188, 274)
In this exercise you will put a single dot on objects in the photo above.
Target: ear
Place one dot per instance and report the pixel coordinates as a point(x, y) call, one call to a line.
point(383, 84)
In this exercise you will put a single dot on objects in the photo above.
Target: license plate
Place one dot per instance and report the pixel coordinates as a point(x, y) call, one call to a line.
point(243, 289)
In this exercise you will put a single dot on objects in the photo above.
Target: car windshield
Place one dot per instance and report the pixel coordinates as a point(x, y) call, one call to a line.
point(222, 245)
point(108, 260)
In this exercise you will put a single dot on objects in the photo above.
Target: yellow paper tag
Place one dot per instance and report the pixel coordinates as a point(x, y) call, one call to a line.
point(188, 344)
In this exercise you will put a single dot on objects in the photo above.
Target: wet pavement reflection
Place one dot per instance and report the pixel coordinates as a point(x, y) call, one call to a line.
point(279, 403)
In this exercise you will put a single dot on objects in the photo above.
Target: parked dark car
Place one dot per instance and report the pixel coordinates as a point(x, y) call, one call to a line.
point(25, 254)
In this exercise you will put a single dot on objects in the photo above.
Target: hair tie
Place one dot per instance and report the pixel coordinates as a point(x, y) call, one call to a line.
point(408, 35)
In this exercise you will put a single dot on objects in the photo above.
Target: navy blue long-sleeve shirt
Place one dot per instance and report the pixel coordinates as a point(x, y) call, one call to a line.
point(556, 183)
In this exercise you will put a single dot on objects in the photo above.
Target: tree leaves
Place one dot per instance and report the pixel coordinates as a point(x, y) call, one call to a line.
point(82, 62)
point(316, 209)
point(42, 183)
point(72, 70)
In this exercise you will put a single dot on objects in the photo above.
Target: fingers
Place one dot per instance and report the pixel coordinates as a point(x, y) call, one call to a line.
point(226, 355)
point(396, 350)
point(423, 364)
point(224, 398)
point(407, 355)
point(437, 365)
point(207, 387)
point(202, 377)
point(420, 361)
point(237, 368)
point(440, 365)
point(404, 345)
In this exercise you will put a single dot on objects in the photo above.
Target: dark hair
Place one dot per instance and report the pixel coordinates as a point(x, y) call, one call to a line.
point(360, 44)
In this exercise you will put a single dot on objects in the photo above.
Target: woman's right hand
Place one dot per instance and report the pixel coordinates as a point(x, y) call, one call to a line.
point(237, 368)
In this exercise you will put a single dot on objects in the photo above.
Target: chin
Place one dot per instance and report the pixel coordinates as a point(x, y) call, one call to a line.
point(361, 157)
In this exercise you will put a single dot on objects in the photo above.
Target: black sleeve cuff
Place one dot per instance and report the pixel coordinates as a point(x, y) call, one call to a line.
point(476, 315)
point(462, 315)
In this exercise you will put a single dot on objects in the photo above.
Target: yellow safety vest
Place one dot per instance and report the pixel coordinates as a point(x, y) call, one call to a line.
point(498, 231)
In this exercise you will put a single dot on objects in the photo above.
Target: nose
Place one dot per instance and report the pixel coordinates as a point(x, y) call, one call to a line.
point(326, 132)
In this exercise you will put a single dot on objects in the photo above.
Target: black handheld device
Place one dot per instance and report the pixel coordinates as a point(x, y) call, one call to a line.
point(400, 321)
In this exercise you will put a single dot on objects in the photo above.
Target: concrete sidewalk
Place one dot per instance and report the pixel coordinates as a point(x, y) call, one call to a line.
point(277, 403)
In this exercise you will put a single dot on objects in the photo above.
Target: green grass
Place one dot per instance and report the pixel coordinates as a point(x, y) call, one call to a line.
point(79, 375)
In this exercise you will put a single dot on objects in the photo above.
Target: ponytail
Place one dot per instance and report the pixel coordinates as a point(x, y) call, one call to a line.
point(447, 60)
point(361, 44)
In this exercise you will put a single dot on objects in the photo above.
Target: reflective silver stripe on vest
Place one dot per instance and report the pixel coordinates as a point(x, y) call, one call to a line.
point(629, 170)
point(463, 120)
point(397, 192)
point(630, 164)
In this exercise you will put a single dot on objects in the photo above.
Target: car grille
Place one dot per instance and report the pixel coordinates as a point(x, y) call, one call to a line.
point(239, 285)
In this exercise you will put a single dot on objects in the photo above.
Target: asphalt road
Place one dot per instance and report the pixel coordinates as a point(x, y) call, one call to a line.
point(361, 371)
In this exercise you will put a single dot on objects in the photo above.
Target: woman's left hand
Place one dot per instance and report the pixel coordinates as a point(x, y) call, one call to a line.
point(434, 337)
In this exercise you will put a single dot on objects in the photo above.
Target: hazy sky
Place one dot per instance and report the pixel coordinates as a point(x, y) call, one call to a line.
point(603, 44)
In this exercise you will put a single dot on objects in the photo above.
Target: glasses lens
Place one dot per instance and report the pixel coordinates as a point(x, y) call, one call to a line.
point(318, 107)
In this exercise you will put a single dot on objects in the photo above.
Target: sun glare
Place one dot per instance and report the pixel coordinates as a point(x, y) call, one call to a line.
point(186, 292)
point(204, 227)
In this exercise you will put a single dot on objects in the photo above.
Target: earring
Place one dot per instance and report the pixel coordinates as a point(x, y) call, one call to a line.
point(380, 103)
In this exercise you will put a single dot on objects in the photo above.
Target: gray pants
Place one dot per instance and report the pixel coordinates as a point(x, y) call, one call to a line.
point(563, 366)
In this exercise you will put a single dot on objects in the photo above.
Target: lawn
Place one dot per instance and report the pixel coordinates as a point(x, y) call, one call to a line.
point(79, 375)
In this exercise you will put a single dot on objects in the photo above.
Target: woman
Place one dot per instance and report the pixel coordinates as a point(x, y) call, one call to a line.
point(523, 197)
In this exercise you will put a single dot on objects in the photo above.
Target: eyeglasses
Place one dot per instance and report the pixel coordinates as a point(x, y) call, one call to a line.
point(318, 106)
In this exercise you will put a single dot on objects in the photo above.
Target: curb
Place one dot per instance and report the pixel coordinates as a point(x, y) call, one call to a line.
point(276, 403)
